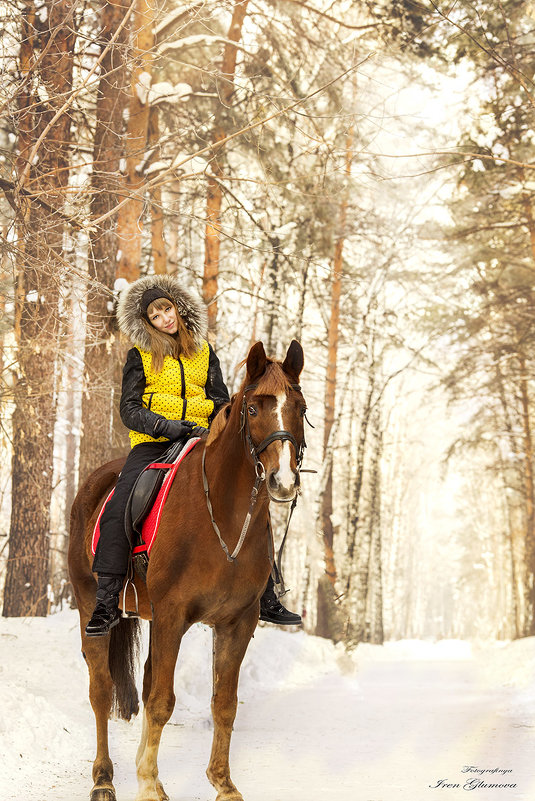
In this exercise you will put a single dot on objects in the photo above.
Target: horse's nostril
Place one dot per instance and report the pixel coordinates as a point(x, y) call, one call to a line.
point(272, 481)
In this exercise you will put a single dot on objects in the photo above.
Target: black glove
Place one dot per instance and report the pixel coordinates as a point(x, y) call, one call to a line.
point(174, 429)
point(199, 431)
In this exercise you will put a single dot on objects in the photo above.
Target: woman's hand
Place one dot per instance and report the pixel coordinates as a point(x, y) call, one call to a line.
point(174, 429)
point(199, 431)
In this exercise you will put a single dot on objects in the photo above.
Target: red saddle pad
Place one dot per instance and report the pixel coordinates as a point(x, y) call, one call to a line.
point(152, 521)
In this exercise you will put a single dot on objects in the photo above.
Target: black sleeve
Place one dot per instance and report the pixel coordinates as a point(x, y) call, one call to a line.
point(133, 413)
point(215, 388)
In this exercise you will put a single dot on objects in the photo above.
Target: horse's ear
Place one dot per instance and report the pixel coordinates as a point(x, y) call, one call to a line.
point(293, 363)
point(256, 362)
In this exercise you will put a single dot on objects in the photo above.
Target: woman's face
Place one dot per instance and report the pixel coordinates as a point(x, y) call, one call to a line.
point(163, 319)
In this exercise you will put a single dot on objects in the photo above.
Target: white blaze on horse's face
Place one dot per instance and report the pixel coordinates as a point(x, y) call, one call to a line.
point(283, 482)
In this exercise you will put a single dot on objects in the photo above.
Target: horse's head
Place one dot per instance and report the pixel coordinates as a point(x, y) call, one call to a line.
point(273, 410)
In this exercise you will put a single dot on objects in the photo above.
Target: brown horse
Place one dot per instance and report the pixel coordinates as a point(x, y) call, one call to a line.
point(255, 443)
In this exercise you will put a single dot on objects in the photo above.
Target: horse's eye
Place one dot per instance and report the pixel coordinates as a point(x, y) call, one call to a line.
point(252, 411)
point(303, 411)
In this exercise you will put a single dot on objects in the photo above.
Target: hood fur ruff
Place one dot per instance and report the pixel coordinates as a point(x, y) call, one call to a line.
point(129, 314)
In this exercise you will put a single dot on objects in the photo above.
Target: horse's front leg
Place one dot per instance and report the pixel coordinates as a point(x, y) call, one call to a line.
point(95, 650)
point(230, 645)
point(147, 684)
point(166, 635)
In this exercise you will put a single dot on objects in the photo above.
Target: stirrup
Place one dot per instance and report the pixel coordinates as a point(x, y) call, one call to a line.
point(124, 612)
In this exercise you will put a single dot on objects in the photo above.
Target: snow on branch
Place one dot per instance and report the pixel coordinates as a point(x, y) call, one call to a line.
point(163, 91)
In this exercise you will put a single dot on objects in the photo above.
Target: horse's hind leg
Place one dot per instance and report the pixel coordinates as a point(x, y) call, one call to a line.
point(166, 636)
point(230, 645)
point(147, 684)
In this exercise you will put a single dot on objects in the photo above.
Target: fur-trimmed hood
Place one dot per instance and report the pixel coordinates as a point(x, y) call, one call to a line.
point(129, 314)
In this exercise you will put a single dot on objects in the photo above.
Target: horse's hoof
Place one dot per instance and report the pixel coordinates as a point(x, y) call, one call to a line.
point(161, 792)
point(149, 795)
point(102, 794)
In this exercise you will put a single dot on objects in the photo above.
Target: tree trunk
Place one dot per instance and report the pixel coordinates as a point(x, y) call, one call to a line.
point(100, 381)
point(3, 288)
point(358, 576)
point(255, 302)
point(214, 195)
point(529, 622)
point(373, 630)
point(510, 533)
point(130, 217)
point(38, 327)
point(330, 397)
point(529, 619)
point(528, 211)
point(302, 301)
point(329, 402)
point(159, 257)
point(329, 620)
point(274, 289)
point(73, 380)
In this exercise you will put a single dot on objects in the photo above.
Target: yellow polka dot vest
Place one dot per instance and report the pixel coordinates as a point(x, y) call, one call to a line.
point(177, 391)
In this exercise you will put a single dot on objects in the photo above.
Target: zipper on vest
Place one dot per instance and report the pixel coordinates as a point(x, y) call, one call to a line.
point(183, 389)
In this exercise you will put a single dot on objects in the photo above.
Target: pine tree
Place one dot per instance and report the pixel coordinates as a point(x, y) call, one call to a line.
point(47, 49)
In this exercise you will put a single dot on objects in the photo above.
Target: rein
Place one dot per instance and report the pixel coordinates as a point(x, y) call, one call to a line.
point(260, 473)
point(260, 477)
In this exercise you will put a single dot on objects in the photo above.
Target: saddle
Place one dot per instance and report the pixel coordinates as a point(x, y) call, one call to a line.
point(145, 491)
point(145, 503)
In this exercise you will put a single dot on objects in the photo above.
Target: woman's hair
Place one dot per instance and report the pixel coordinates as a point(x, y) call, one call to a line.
point(162, 344)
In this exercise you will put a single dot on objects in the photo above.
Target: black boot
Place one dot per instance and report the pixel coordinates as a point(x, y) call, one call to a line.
point(106, 614)
point(272, 611)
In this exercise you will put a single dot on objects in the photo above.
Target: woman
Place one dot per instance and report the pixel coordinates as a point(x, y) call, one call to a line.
point(172, 389)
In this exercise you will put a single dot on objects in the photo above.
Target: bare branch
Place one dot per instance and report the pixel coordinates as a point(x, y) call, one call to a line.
point(74, 94)
point(212, 148)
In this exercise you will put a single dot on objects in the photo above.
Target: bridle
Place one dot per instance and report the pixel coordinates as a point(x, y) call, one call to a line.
point(282, 436)
point(260, 473)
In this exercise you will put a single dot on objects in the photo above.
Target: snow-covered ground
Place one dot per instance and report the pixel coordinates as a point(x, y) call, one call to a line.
point(402, 721)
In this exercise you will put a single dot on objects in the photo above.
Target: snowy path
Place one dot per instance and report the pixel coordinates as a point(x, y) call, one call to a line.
point(313, 724)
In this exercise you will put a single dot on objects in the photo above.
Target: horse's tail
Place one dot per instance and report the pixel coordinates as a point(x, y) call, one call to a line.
point(123, 658)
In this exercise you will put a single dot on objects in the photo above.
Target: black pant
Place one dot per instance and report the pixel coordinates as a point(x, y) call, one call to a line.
point(113, 549)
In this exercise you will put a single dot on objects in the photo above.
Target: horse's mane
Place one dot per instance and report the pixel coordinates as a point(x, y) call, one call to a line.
point(218, 424)
point(273, 381)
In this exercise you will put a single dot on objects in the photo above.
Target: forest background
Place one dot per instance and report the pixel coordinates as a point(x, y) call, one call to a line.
point(355, 175)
